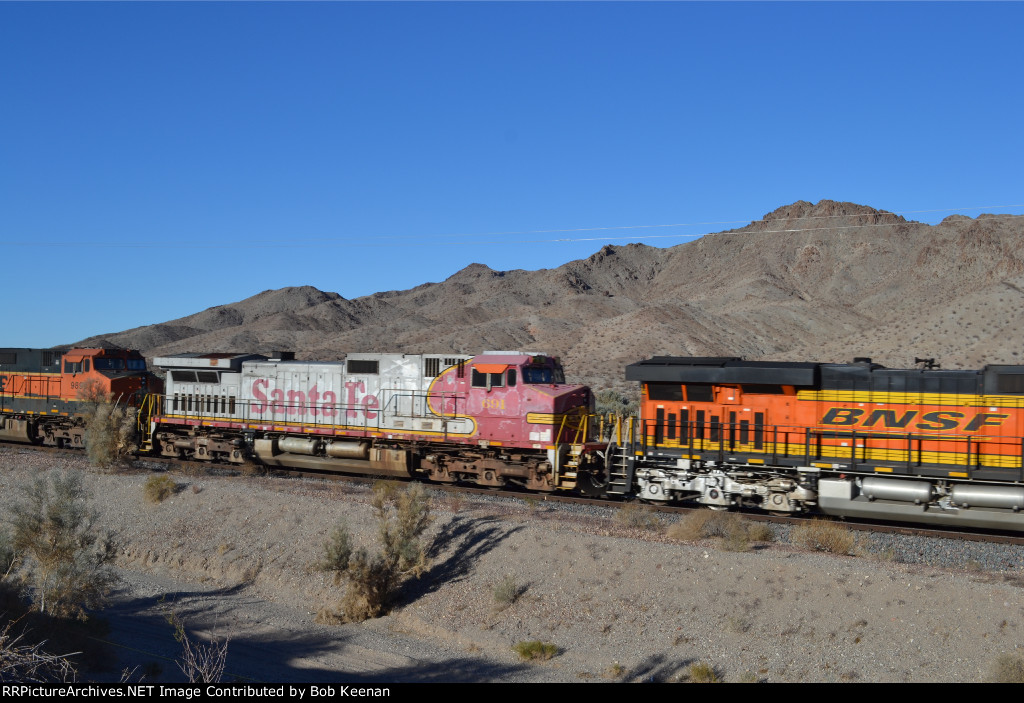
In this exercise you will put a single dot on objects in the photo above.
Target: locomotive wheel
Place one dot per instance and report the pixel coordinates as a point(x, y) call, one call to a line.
point(590, 486)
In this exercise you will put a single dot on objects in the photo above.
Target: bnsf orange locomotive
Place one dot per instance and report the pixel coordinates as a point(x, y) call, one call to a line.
point(923, 445)
point(918, 445)
point(43, 391)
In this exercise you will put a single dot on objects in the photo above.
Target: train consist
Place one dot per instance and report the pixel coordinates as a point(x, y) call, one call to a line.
point(858, 440)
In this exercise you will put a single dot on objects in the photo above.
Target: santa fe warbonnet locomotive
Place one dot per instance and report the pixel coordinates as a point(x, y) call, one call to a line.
point(917, 445)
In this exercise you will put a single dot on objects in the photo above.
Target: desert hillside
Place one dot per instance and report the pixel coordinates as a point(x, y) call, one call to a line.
point(822, 282)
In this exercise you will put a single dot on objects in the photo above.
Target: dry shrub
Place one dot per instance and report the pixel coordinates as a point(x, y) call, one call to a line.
point(692, 526)
point(760, 532)
point(535, 650)
point(615, 671)
point(30, 664)
point(110, 431)
point(507, 591)
point(736, 532)
point(159, 488)
point(373, 580)
point(636, 515)
point(1008, 668)
point(201, 663)
point(702, 672)
point(824, 536)
point(64, 556)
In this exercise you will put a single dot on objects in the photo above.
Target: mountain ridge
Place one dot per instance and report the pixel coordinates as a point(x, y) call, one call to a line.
point(822, 281)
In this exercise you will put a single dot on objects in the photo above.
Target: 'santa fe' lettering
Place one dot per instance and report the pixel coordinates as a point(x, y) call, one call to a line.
point(860, 418)
point(313, 402)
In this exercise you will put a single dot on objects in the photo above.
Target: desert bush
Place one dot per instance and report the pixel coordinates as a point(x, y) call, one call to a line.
point(30, 664)
point(692, 526)
point(201, 663)
point(702, 672)
point(636, 515)
point(615, 671)
point(611, 402)
point(109, 428)
point(159, 488)
point(64, 556)
point(507, 591)
point(760, 532)
point(824, 536)
point(535, 649)
point(736, 531)
point(1008, 668)
point(373, 580)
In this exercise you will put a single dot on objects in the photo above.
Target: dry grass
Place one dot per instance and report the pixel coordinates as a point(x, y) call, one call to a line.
point(637, 516)
point(702, 672)
point(737, 533)
point(30, 664)
point(535, 650)
point(824, 536)
point(615, 671)
point(507, 592)
point(159, 488)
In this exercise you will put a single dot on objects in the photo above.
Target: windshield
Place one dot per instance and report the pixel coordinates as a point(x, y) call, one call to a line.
point(105, 364)
point(542, 374)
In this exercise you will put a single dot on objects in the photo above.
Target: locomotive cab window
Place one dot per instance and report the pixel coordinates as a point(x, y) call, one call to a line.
point(487, 380)
point(699, 393)
point(542, 375)
point(511, 378)
point(664, 391)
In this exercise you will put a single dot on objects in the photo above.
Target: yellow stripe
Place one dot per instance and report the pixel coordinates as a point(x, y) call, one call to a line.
point(966, 400)
point(256, 424)
point(548, 418)
point(883, 469)
point(958, 474)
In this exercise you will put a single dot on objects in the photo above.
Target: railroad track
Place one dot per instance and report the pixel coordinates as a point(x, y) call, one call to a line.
point(150, 463)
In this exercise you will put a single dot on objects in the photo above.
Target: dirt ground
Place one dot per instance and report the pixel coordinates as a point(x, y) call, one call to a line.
point(232, 557)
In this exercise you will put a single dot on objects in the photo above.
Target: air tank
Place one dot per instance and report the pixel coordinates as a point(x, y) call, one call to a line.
point(985, 496)
point(348, 450)
point(297, 445)
point(896, 489)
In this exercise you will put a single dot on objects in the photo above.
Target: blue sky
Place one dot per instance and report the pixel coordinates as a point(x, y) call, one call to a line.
point(157, 159)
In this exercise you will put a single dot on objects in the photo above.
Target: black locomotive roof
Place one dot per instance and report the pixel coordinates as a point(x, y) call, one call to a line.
point(858, 376)
point(724, 369)
point(30, 360)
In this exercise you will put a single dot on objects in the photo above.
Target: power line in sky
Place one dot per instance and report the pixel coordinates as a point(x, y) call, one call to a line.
point(438, 239)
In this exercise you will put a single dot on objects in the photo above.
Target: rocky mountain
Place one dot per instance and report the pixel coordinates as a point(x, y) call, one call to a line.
point(822, 282)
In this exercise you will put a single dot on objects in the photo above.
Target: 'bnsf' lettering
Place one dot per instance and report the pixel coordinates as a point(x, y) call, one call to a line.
point(893, 419)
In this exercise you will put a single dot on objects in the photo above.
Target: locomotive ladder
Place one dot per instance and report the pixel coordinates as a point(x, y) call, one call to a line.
point(143, 421)
point(621, 461)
